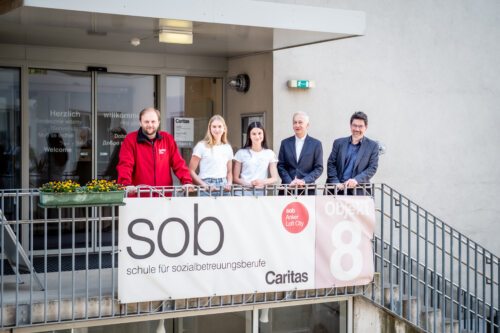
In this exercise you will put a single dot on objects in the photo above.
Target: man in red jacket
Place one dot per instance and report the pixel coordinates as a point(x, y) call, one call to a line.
point(147, 155)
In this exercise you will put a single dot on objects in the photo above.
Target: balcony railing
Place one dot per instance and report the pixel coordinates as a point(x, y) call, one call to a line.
point(429, 273)
point(67, 262)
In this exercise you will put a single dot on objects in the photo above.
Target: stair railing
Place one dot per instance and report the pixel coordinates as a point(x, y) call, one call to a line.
point(429, 273)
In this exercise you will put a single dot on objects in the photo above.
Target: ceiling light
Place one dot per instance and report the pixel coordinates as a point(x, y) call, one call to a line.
point(135, 41)
point(175, 36)
point(175, 31)
point(176, 24)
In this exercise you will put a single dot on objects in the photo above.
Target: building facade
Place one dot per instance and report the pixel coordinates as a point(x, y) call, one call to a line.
point(73, 80)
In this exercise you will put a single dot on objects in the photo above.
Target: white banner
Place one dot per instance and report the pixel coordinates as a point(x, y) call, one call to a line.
point(203, 246)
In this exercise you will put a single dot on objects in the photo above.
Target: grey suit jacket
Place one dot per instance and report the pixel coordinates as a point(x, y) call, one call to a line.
point(366, 162)
point(310, 164)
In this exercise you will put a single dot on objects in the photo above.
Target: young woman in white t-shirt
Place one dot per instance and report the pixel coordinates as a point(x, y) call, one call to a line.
point(213, 155)
point(255, 164)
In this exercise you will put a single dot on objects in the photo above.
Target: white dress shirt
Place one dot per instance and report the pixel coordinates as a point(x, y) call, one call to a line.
point(299, 143)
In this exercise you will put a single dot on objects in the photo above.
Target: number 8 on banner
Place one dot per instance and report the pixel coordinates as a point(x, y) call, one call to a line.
point(350, 249)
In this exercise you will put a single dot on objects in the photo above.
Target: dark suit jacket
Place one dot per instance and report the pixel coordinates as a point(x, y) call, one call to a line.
point(366, 161)
point(310, 164)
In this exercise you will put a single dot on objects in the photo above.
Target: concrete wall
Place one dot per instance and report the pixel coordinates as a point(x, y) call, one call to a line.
point(426, 73)
point(367, 317)
point(259, 99)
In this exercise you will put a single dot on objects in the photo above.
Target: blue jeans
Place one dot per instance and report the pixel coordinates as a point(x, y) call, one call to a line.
point(218, 183)
point(249, 193)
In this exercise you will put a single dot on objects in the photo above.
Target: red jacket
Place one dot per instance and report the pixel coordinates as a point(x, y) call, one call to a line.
point(143, 162)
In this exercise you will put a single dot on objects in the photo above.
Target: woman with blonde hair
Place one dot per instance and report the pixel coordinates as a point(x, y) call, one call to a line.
point(213, 156)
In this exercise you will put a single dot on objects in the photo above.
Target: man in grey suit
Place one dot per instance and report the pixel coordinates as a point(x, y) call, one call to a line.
point(354, 159)
point(300, 159)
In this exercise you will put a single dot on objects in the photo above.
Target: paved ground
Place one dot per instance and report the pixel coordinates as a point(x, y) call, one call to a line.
point(59, 286)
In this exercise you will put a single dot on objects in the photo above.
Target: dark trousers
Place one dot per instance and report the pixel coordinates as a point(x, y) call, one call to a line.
point(365, 190)
point(297, 191)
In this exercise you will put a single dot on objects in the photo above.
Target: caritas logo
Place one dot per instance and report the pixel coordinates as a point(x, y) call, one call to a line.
point(295, 217)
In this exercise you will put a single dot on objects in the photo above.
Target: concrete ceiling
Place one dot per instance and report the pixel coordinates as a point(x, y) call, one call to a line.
point(103, 31)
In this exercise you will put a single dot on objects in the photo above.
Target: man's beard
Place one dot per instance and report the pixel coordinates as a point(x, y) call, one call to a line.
point(150, 131)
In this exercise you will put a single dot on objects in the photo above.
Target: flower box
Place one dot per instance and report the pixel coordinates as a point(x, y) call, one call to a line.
point(51, 199)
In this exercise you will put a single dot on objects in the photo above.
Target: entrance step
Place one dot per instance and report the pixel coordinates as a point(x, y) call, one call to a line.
point(387, 294)
point(429, 316)
point(410, 308)
point(451, 326)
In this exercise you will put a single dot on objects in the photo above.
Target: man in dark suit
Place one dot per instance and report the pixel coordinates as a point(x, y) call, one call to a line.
point(354, 159)
point(300, 159)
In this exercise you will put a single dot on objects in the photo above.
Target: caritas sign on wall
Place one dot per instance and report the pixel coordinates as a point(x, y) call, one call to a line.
point(196, 247)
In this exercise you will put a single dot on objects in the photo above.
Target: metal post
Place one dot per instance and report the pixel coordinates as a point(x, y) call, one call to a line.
point(391, 242)
point(434, 280)
point(417, 292)
point(382, 244)
point(443, 276)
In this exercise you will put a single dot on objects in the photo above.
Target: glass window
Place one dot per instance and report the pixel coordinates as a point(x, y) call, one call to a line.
point(60, 126)
point(120, 98)
point(218, 323)
point(10, 130)
point(143, 327)
point(312, 318)
point(315, 318)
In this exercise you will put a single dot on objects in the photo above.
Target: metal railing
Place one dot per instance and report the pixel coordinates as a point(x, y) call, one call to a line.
point(428, 273)
point(431, 274)
point(69, 260)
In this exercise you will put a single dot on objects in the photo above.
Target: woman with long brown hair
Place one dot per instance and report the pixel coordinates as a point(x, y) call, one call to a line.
point(255, 164)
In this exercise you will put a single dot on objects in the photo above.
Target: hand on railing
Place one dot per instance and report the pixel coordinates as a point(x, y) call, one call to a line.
point(257, 183)
point(350, 183)
point(208, 188)
point(297, 183)
point(130, 190)
point(162, 191)
point(212, 188)
point(188, 188)
point(144, 189)
point(350, 187)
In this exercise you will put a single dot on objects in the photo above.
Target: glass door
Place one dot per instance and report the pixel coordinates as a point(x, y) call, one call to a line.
point(60, 141)
point(60, 125)
point(120, 98)
point(77, 123)
point(10, 136)
point(10, 131)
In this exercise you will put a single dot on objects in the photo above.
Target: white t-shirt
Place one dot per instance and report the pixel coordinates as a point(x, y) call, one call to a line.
point(255, 165)
point(213, 161)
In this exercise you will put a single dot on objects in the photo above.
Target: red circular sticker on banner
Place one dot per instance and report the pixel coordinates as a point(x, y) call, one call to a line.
point(295, 217)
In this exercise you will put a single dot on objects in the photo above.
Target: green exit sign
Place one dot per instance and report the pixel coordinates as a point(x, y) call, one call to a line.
point(301, 84)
